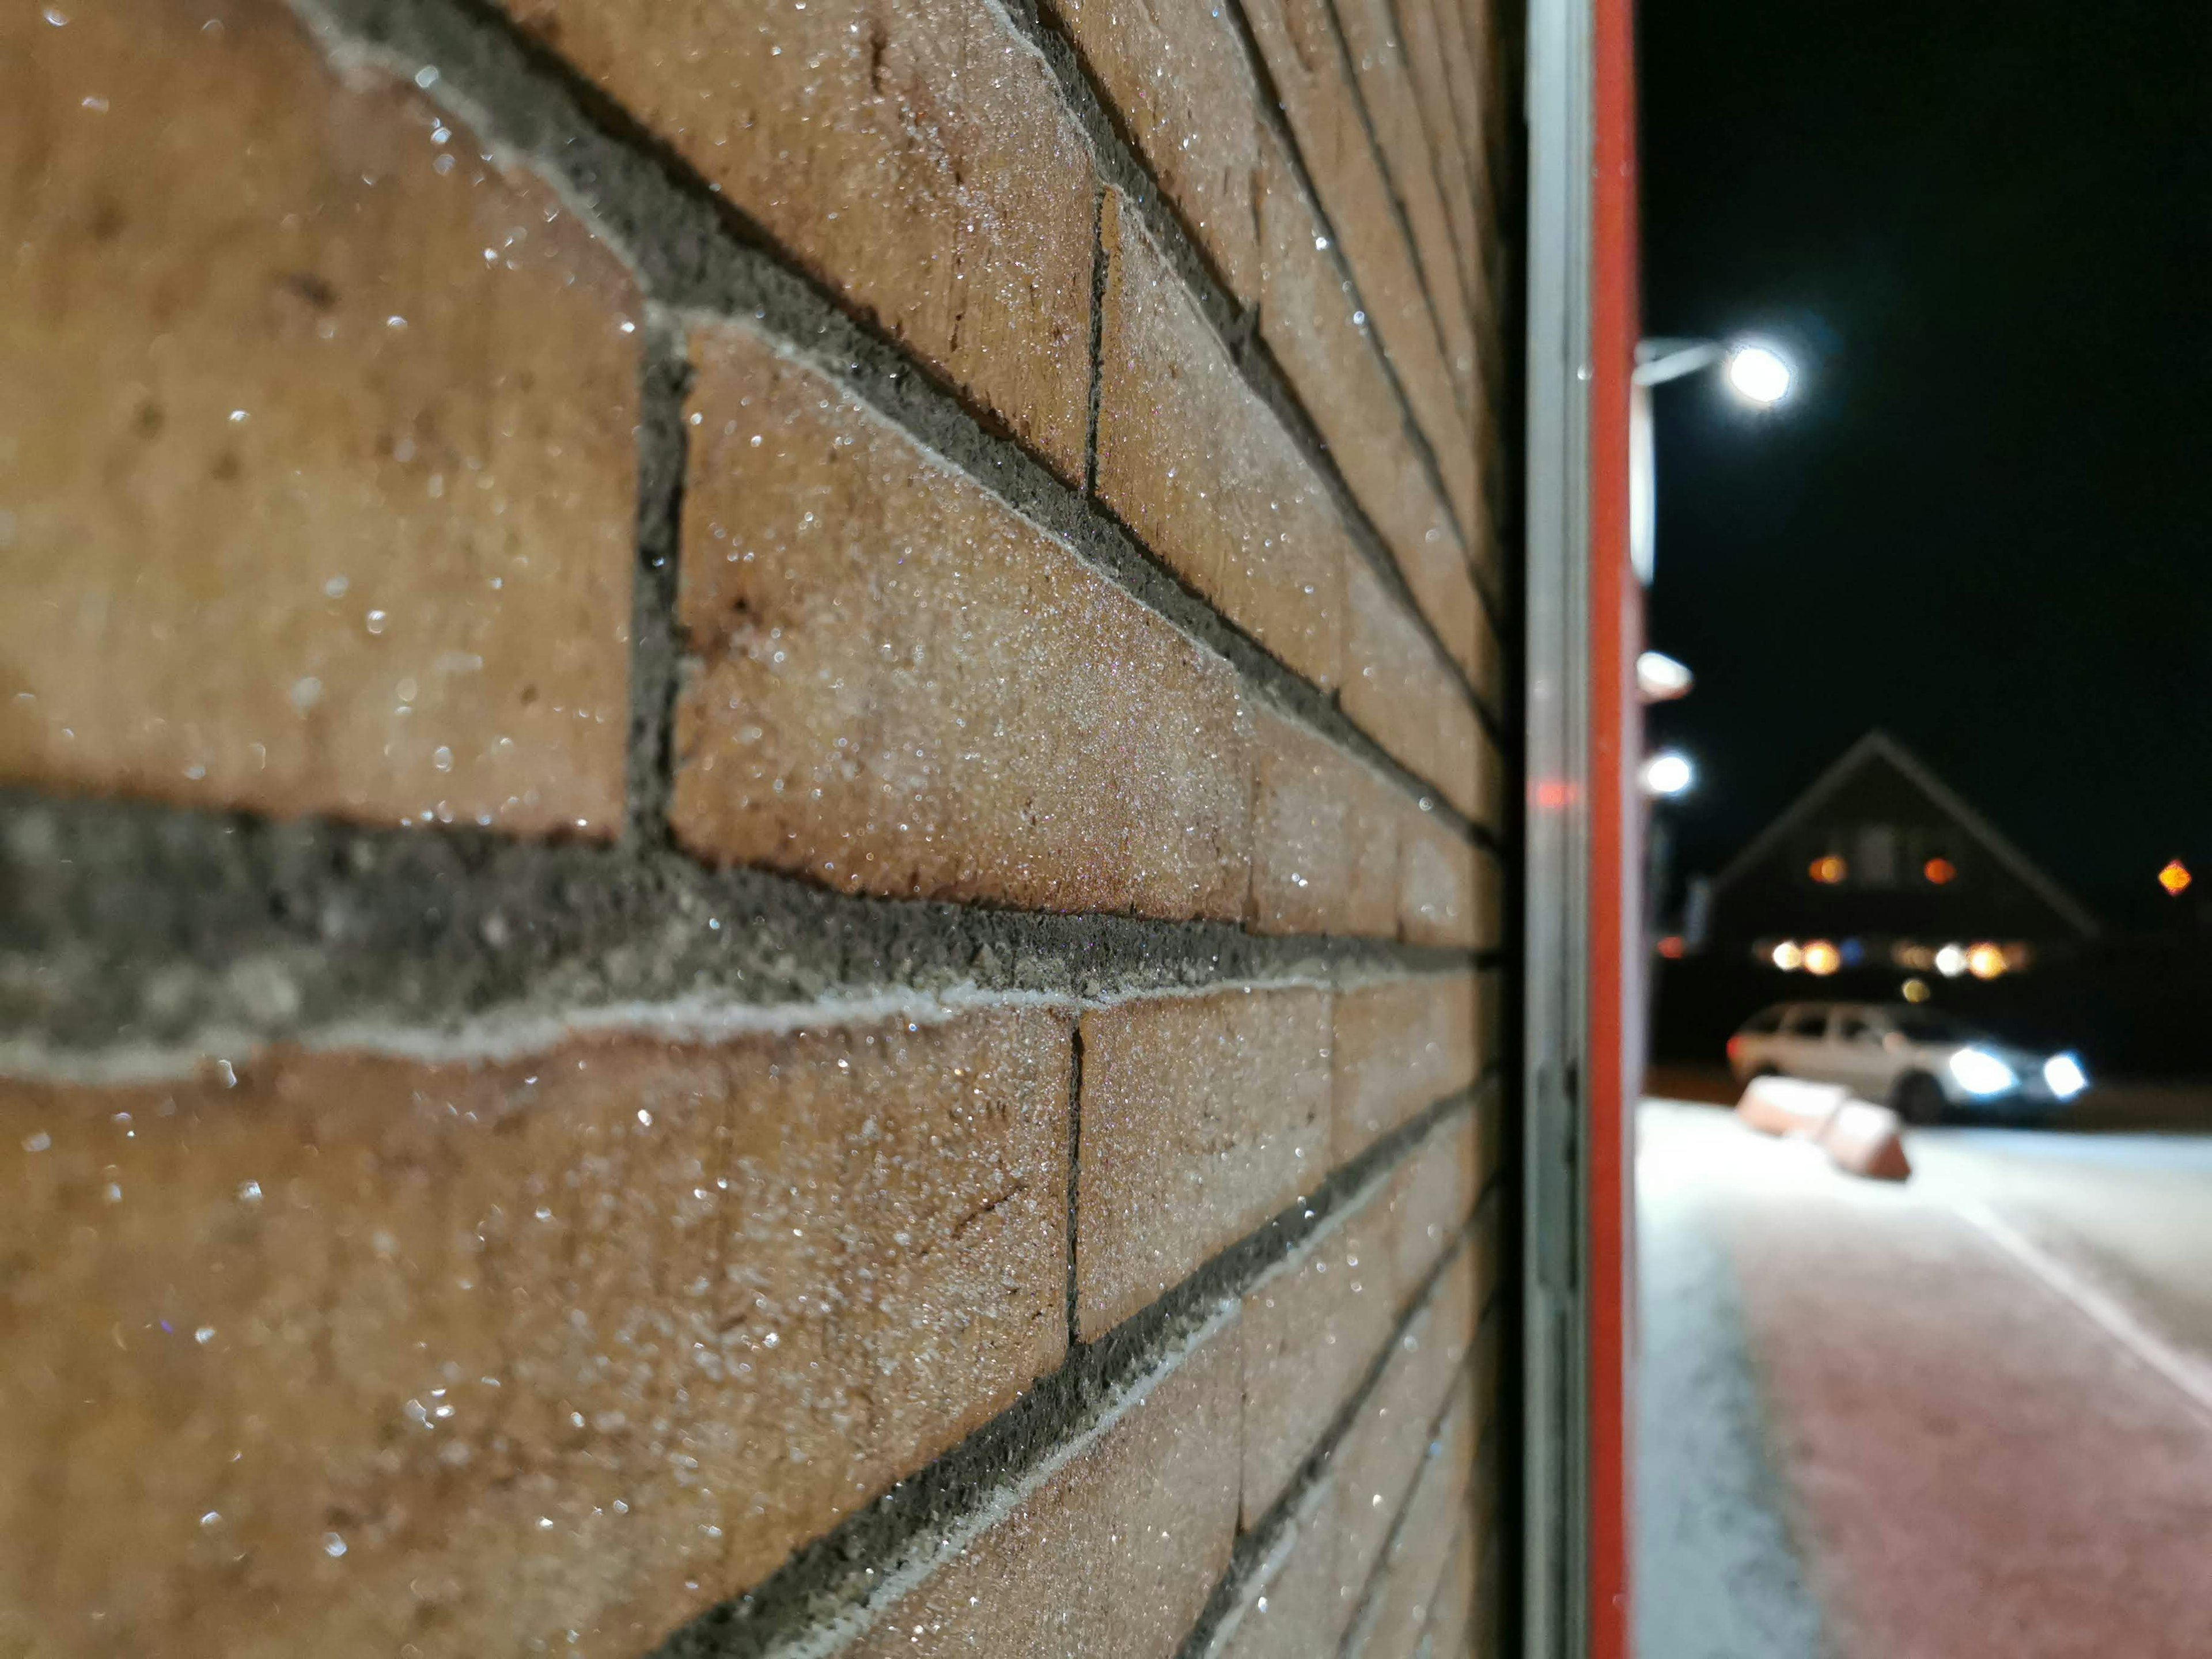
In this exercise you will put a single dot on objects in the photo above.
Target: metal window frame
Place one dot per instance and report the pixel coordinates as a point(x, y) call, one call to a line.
point(1582, 1018)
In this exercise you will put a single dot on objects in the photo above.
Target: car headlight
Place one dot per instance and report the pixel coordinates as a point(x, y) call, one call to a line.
point(2064, 1075)
point(1979, 1071)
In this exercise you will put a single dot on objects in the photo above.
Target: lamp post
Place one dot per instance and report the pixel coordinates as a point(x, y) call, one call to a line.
point(1761, 376)
point(1756, 372)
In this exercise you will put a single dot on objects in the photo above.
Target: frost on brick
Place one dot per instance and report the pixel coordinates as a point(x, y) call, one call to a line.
point(319, 429)
point(1202, 470)
point(1200, 1117)
point(468, 1356)
point(1324, 837)
point(904, 689)
point(1176, 75)
point(1402, 1046)
point(1112, 1553)
point(914, 157)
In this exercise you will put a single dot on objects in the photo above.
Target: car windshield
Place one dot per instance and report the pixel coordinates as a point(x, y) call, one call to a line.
point(1933, 1027)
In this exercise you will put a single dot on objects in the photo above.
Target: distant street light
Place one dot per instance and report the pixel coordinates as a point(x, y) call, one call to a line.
point(1760, 374)
point(1668, 774)
point(1756, 372)
point(1659, 678)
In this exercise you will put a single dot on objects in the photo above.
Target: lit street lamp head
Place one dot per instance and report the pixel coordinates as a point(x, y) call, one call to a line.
point(1668, 774)
point(1760, 374)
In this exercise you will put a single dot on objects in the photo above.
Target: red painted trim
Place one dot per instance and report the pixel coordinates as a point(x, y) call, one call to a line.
point(1615, 957)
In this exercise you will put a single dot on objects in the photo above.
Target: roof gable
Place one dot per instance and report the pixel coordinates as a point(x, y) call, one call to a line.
point(1878, 751)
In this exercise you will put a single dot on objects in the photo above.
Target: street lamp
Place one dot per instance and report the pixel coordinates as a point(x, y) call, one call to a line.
point(1668, 774)
point(1760, 375)
point(1756, 372)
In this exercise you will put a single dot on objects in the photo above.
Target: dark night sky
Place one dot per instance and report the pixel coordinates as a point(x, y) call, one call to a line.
point(1987, 524)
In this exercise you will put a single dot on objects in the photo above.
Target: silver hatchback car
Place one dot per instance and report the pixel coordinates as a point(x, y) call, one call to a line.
point(1923, 1063)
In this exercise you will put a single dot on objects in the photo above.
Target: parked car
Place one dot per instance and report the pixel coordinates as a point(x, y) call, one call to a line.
point(1923, 1063)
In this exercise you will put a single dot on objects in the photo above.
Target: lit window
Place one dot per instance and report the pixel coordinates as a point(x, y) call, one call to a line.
point(1828, 870)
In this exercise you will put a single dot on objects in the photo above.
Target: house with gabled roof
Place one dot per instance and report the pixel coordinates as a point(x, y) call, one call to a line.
point(1879, 868)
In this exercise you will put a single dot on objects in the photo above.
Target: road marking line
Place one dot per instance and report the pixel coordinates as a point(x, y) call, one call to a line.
point(2185, 1373)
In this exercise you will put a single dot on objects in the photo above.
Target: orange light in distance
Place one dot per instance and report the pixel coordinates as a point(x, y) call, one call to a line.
point(1916, 990)
point(1671, 947)
point(1985, 962)
point(1939, 872)
point(1829, 870)
point(1822, 957)
point(2175, 877)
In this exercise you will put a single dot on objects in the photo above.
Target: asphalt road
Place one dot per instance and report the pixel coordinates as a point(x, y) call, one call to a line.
point(1968, 1415)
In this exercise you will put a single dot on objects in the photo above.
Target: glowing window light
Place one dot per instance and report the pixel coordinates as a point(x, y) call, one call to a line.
point(1788, 957)
point(1822, 958)
point(1828, 870)
point(2175, 877)
point(1941, 872)
point(1986, 961)
point(1916, 990)
point(1951, 961)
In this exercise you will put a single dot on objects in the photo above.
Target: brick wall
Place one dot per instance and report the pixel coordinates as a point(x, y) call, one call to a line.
point(753, 835)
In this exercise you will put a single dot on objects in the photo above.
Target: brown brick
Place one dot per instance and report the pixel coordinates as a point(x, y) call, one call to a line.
point(1200, 1117)
point(1291, 1608)
point(1391, 1627)
point(1451, 1608)
point(913, 154)
point(361, 1352)
point(1299, 40)
point(1456, 172)
point(1324, 836)
point(1468, 35)
point(1114, 1554)
point(1400, 1045)
point(1173, 73)
point(1387, 93)
point(1382, 1453)
point(1443, 899)
point(1201, 469)
point(1310, 319)
point(317, 445)
point(1312, 1326)
point(1431, 1196)
point(907, 689)
point(1403, 694)
point(1309, 1587)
